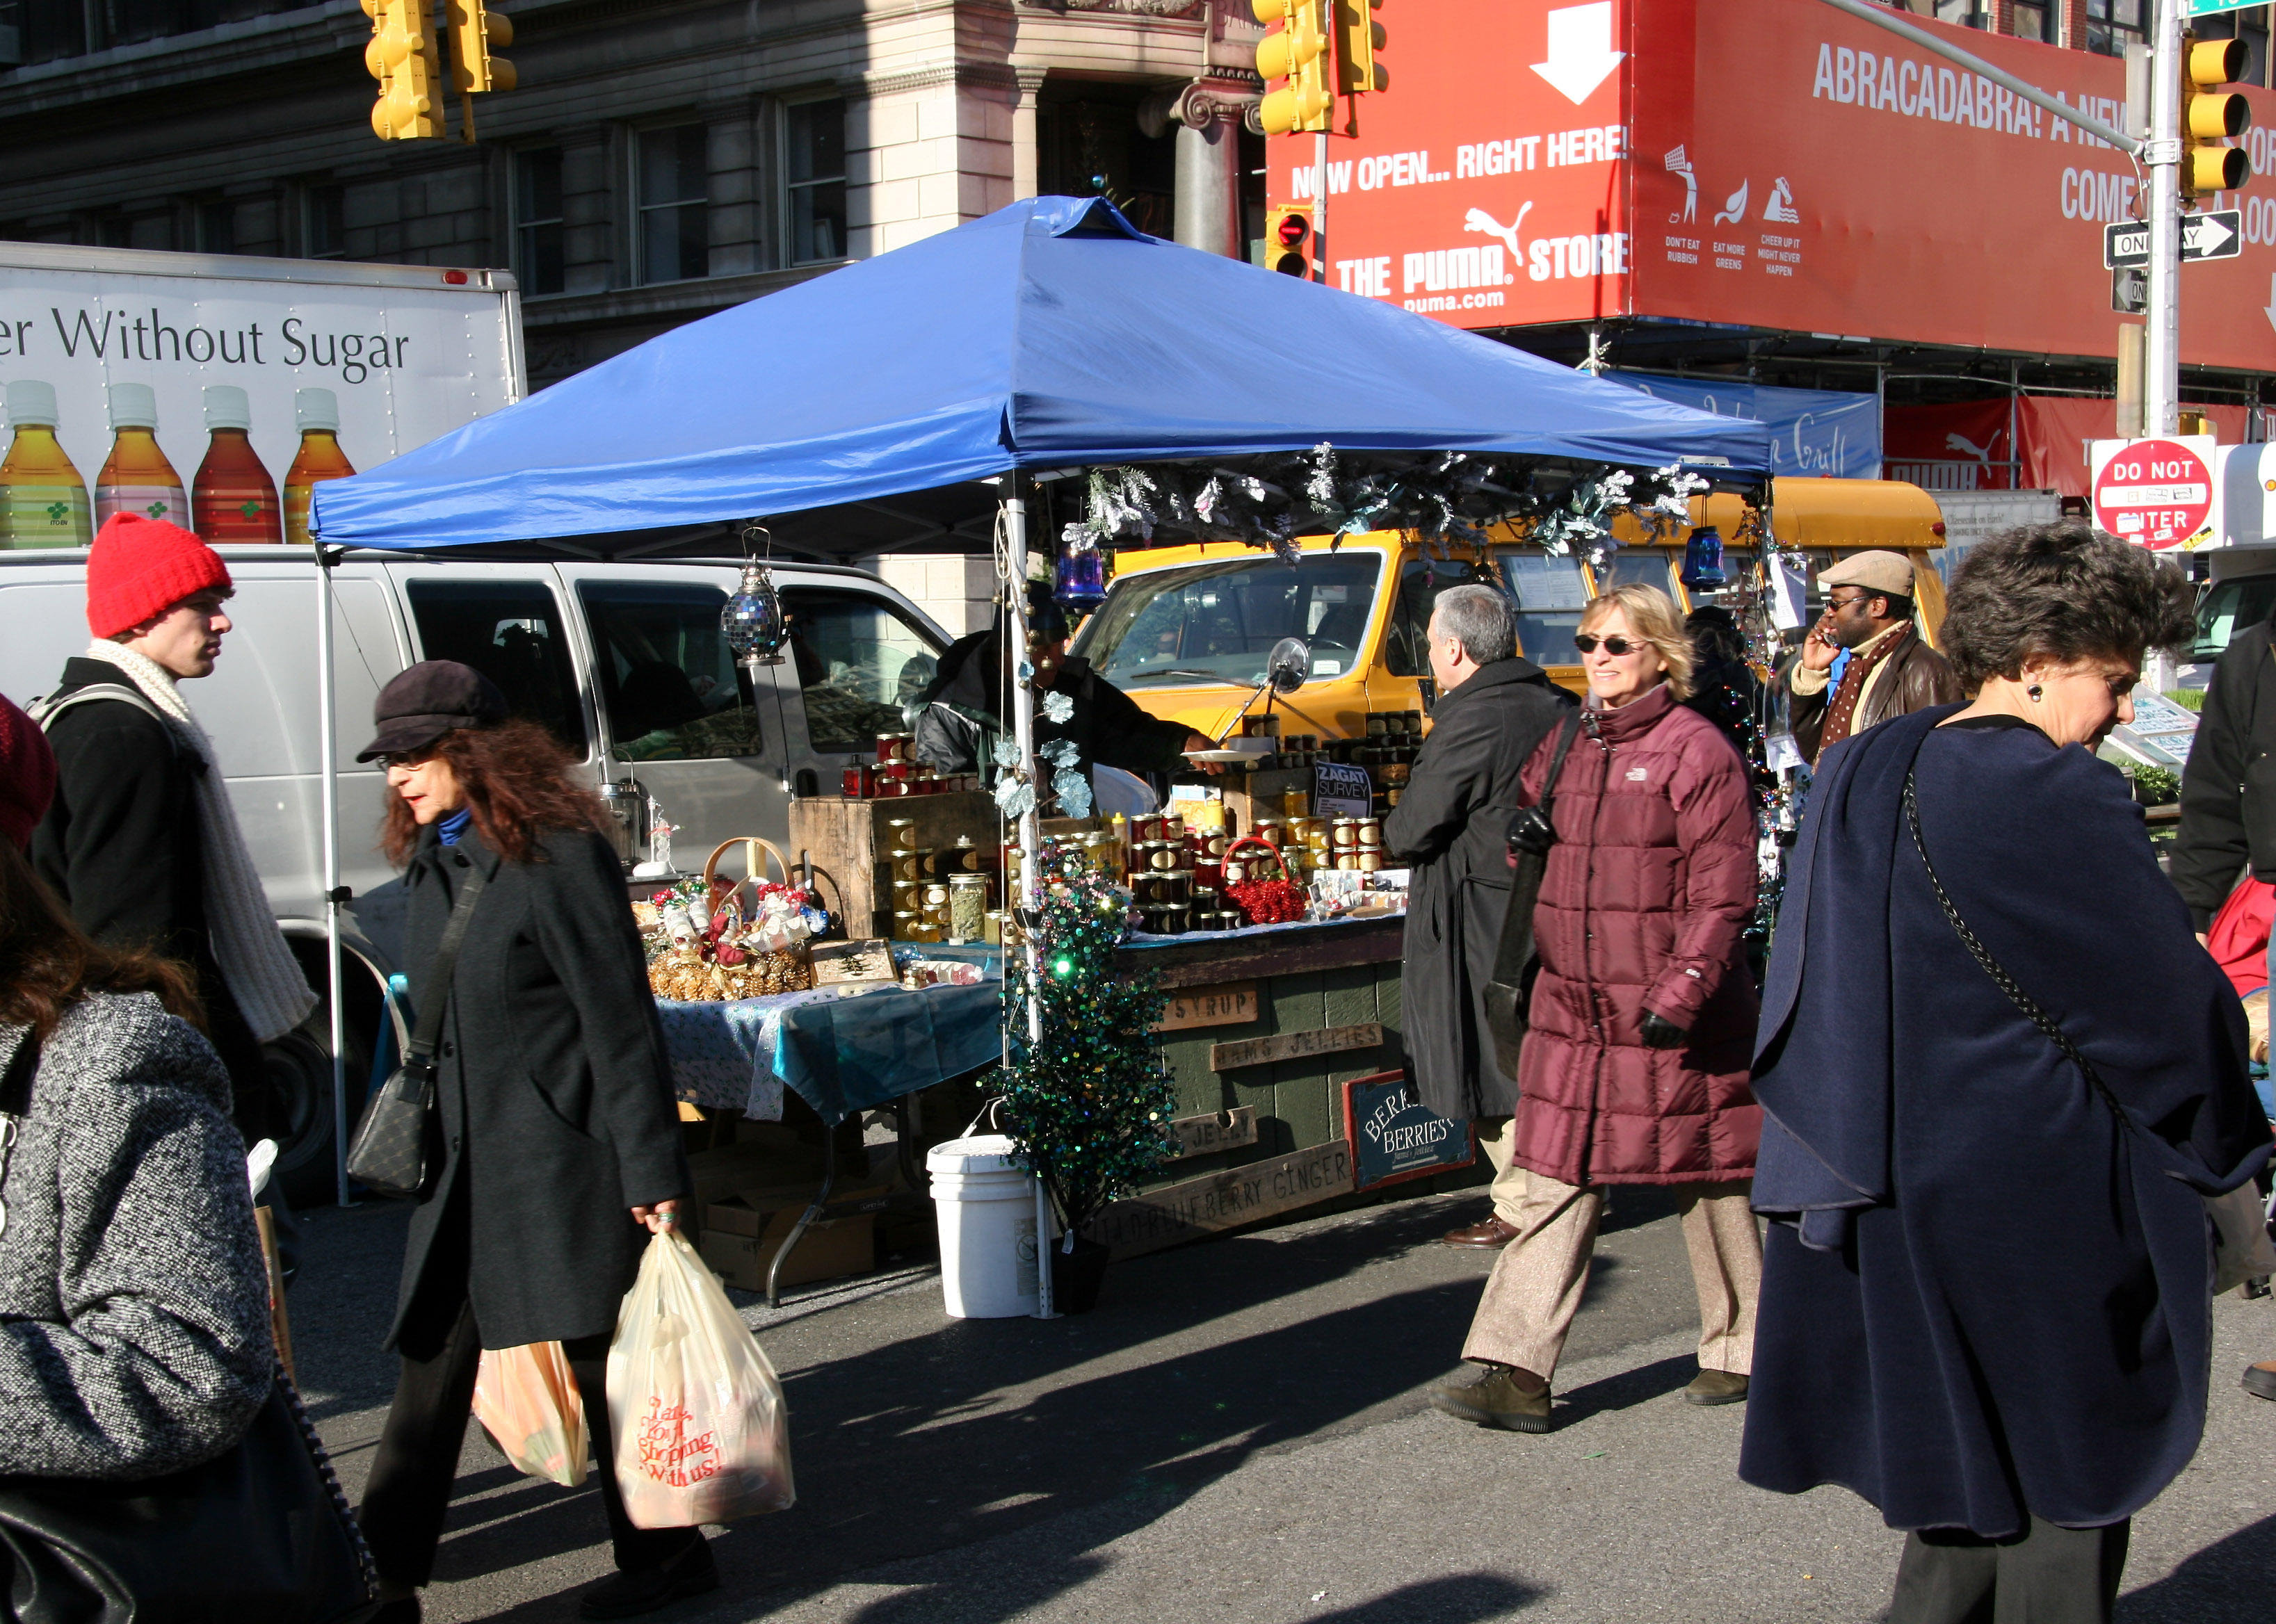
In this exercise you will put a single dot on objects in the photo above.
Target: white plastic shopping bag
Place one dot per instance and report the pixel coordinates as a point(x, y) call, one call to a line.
point(702, 1433)
point(526, 1399)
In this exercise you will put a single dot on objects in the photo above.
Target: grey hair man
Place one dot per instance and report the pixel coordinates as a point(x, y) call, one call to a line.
point(1450, 828)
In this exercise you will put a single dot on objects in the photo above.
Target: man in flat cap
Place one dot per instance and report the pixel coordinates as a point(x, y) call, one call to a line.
point(1891, 672)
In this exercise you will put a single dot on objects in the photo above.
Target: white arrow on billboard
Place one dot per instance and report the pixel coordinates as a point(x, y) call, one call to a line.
point(2269, 309)
point(1580, 54)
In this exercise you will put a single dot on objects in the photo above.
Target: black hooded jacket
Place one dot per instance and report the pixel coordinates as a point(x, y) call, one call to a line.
point(957, 726)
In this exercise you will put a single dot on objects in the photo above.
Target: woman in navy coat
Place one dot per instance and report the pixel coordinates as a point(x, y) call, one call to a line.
point(1985, 1302)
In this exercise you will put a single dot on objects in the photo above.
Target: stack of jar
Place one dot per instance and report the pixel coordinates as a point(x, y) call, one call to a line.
point(897, 772)
point(939, 894)
point(1356, 843)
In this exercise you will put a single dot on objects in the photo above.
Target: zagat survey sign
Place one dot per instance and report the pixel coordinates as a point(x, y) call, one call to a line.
point(1773, 163)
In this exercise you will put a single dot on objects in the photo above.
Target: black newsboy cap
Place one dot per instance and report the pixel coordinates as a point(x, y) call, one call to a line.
point(426, 702)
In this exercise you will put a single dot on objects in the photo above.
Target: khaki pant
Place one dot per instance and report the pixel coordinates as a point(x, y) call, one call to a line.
point(1535, 1287)
point(1499, 1144)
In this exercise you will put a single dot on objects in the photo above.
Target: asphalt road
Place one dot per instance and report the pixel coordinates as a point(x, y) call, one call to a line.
point(1240, 1427)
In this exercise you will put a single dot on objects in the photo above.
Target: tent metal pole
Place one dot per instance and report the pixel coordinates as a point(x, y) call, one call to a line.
point(1023, 735)
point(328, 745)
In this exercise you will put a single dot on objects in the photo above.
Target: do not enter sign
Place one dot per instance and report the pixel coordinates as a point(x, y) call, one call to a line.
point(2156, 492)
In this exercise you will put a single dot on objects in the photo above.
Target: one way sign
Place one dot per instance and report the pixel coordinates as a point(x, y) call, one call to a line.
point(2216, 236)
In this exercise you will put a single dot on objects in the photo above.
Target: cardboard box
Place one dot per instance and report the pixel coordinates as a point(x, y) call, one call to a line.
point(739, 1243)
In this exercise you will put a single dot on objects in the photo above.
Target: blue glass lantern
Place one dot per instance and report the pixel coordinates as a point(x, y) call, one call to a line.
point(1703, 560)
point(752, 619)
point(1081, 584)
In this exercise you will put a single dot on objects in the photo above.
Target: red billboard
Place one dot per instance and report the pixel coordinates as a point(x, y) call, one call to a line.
point(1771, 164)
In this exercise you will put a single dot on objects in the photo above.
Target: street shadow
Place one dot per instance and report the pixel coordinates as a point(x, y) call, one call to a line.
point(1458, 1598)
point(1626, 1390)
point(2227, 1583)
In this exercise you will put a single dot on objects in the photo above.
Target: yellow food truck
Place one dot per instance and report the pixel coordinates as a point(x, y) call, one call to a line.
point(1185, 631)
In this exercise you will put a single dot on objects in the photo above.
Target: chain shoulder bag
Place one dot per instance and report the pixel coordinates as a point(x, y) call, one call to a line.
point(393, 1152)
point(2242, 1250)
point(1532, 831)
point(262, 1531)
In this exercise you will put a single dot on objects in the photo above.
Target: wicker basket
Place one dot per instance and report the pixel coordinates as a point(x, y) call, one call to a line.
point(684, 973)
point(1262, 900)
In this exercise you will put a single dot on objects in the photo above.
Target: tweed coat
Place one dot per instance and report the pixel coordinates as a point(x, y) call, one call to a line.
point(1643, 904)
point(133, 1301)
point(556, 1114)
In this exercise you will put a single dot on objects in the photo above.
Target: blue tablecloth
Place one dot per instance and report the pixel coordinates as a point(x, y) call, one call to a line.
point(839, 1054)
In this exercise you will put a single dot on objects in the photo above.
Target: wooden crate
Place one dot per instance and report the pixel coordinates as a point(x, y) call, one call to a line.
point(850, 847)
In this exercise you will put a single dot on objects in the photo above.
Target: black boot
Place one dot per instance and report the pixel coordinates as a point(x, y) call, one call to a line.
point(625, 1596)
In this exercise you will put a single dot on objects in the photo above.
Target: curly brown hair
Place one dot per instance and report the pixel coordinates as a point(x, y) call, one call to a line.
point(2064, 592)
point(515, 777)
point(47, 963)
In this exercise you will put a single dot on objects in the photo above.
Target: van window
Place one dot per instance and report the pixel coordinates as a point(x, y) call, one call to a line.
point(1217, 621)
point(859, 663)
point(2228, 607)
point(511, 632)
point(1406, 645)
point(670, 685)
point(1551, 594)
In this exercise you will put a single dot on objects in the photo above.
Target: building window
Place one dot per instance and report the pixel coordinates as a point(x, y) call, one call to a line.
point(814, 149)
point(537, 251)
point(215, 222)
point(2113, 24)
point(675, 224)
point(2039, 22)
point(325, 231)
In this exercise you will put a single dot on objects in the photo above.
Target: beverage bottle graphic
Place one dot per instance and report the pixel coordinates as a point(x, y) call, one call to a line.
point(137, 479)
point(233, 498)
point(42, 499)
point(318, 412)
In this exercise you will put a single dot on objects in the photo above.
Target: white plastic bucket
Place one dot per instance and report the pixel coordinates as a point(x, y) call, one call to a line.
point(985, 1203)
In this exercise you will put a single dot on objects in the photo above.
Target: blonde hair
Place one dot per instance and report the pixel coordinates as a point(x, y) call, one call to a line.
point(1653, 616)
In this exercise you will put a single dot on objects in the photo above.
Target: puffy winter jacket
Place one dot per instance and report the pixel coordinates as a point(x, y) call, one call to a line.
point(1647, 893)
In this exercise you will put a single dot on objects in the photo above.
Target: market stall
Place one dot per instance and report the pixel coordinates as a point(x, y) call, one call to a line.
point(1050, 359)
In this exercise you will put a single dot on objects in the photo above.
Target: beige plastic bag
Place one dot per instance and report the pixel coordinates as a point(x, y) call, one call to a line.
point(526, 1399)
point(702, 1433)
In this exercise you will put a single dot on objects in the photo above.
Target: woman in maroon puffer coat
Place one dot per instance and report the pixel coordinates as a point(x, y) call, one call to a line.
point(1643, 1018)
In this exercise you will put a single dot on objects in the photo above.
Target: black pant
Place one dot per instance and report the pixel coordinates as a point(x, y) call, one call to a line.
point(2044, 1576)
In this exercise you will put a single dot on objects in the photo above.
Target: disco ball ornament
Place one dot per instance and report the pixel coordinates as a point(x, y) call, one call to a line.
point(752, 619)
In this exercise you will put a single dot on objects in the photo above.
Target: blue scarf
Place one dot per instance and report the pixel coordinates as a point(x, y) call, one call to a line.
point(449, 830)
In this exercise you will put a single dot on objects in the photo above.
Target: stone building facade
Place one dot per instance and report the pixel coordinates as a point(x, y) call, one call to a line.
point(660, 159)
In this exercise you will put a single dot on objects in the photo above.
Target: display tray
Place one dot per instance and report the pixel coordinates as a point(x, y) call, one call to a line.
point(1197, 960)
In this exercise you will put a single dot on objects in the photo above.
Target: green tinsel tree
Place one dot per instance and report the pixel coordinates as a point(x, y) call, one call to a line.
point(1089, 1107)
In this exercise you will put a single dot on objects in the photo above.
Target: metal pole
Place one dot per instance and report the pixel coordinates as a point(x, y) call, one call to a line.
point(1023, 735)
point(1865, 11)
point(328, 731)
point(1320, 200)
point(2161, 383)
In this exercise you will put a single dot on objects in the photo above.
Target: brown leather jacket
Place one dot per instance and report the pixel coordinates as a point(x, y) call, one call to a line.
point(1917, 678)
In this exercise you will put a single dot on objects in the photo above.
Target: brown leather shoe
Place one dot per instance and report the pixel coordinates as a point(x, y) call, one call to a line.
point(1716, 1387)
point(1492, 1233)
point(2260, 1379)
point(1494, 1400)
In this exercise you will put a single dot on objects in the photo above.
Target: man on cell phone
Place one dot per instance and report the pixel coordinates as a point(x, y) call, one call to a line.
point(1890, 672)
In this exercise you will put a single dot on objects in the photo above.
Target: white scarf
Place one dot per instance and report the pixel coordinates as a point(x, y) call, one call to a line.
point(263, 978)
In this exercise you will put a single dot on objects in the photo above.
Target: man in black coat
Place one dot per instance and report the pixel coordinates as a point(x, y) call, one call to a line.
point(1451, 828)
point(959, 722)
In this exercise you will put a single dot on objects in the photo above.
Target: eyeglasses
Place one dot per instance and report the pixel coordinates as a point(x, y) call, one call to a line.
point(1850, 603)
point(1587, 641)
point(403, 757)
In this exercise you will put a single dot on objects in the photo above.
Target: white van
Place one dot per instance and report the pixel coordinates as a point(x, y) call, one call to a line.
point(624, 661)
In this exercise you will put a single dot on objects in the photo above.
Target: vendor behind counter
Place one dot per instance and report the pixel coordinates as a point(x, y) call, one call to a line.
point(959, 718)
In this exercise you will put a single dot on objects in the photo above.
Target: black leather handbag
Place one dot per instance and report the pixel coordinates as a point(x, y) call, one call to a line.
point(262, 1531)
point(392, 1153)
point(1531, 834)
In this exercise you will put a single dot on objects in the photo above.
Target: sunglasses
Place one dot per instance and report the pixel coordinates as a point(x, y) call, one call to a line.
point(1587, 641)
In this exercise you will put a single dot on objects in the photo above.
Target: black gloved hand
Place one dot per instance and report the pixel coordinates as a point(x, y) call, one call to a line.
point(1660, 1032)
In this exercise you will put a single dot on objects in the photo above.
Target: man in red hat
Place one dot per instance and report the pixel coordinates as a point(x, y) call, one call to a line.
point(141, 842)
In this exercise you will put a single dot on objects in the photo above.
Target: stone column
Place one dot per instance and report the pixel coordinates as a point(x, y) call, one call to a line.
point(1208, 114)
point(1026, 159)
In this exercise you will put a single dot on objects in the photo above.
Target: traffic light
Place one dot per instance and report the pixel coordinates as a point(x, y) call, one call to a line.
point(1296, 57)
point(1290, 231)
point(401, 57)
point(2211, 116)
point(1358, 37)
point(475, 30)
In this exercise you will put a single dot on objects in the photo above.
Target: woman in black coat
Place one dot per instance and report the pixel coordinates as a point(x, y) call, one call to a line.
point(558, 1137)
point(1985, 1301)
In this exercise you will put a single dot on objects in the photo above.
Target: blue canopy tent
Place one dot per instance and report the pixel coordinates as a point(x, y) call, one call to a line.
point(862, 411)
point(1050, 334)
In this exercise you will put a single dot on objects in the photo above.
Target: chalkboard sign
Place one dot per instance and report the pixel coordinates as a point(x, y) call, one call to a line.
point(1395, 1138)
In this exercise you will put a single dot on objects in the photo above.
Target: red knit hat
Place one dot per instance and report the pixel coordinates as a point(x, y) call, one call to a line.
point(28, 773)
point(141, 567)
